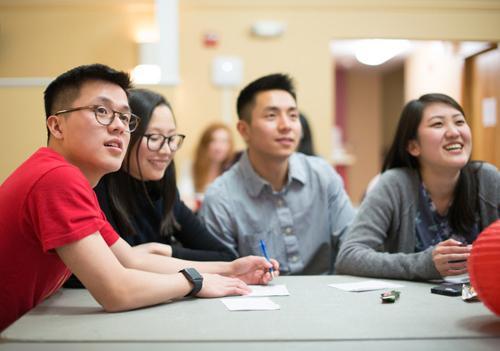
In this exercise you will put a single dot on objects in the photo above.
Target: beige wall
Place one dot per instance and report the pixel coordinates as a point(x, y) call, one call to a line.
point(434, 67)
point(363, 116)
point(375, 98)
point(393, 87)
point(22, 126)
point(43, 38)
point(302, 52)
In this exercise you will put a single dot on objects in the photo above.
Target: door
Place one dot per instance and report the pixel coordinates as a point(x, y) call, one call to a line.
point(482, 104)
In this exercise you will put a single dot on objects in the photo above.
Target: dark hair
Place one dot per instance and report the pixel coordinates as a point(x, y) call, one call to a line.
point(306, 143)
point(63, 90)
point(246, 99)
point(461, 214)
point(123, 189)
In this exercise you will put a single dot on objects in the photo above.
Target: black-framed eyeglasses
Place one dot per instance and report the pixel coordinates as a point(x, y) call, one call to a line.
point(156, 141)
point(106, 116)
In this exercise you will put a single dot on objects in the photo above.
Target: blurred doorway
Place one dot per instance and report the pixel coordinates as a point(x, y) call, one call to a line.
point(481, 98)
point(369, 99)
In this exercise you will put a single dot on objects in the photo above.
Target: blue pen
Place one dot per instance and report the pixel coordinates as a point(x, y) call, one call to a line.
point(264, 252)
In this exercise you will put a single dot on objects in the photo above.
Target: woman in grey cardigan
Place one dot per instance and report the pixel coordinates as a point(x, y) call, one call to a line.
point(430, 203)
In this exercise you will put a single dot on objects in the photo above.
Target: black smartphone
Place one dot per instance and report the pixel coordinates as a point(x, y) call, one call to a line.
point(447, 289)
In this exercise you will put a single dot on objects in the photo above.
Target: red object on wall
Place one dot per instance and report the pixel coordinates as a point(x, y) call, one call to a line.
point(210, 40)
point(484, 267)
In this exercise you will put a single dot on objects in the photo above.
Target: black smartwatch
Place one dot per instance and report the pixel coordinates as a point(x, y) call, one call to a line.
point(195, 278)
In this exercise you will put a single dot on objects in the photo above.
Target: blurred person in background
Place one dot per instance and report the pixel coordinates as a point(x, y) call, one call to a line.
point(214, 155)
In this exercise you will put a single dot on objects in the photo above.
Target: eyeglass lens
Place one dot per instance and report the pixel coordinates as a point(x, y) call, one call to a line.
point(157, 141)
point(106, 117)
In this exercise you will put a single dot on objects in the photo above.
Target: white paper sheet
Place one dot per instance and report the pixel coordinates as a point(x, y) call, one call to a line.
point(268, 290)
point(249, 304)
point(366, 285)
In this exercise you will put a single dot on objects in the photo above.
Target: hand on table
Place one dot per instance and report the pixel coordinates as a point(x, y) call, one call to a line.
point(215, 285)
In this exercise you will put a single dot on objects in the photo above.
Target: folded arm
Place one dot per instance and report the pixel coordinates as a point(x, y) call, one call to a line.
point(376, 245)
point(113, 285)
point(123, 279)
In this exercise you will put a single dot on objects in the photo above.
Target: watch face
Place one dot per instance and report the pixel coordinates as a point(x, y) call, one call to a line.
point(194, 274)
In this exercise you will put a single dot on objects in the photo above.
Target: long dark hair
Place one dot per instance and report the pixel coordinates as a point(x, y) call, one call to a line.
point(462, 212)
point(123, 189)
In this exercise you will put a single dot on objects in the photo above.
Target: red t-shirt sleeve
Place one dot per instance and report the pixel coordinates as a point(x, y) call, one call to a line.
point(63, 208)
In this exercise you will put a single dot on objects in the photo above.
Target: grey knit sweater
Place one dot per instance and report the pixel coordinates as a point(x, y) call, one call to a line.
point(381, 240)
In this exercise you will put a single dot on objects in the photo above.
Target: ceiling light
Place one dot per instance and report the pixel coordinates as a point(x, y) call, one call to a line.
point(146, 74)
point(374, 52)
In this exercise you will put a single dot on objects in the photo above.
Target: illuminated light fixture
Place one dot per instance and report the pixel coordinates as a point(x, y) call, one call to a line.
point(149, 69)
point(146, 74)
point(159, 47)
point(268, 29)
point(147, 35)
point(374, 52)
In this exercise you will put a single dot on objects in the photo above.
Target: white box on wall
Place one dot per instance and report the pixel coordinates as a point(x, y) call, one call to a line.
point(227, 71)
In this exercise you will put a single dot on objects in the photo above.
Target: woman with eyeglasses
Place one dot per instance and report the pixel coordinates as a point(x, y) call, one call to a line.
point(141, 200)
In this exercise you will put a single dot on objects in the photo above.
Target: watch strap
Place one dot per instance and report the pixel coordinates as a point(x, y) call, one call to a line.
point(194, 277)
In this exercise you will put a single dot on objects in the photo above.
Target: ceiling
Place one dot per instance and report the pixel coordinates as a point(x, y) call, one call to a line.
point(343, 51)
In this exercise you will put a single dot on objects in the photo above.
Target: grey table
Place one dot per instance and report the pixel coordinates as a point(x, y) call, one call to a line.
point(314, 317)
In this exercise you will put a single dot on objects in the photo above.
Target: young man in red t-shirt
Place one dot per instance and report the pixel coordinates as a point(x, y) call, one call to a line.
point(51, 221)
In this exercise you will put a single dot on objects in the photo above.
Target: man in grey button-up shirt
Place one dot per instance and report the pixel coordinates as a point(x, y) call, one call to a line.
point(295, 203)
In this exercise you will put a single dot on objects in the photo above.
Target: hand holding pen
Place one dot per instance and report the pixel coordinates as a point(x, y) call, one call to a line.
point(253, 269)
point(263, 248)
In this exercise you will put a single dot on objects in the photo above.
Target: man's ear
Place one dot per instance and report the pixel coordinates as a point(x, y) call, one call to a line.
point(413, 148)
point(243, 128)
point(55, 127)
